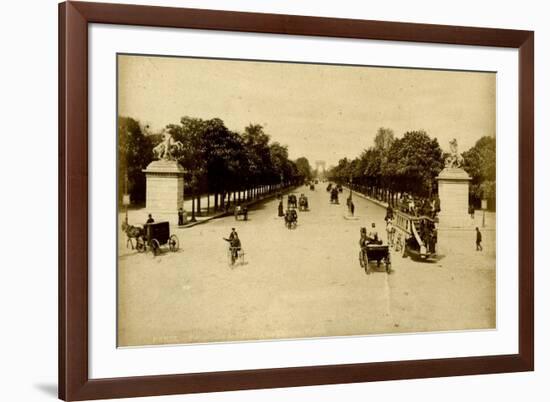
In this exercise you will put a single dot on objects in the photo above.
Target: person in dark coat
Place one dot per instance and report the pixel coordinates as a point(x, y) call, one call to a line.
point(479, 247)
point(389, 213)
point(234, 245)
point(232, 235)
point(281, 209)
point(150, 220)
point(180, 217)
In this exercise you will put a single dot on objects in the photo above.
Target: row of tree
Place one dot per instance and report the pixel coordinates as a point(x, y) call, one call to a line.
point(217, 161)
point(410, 164)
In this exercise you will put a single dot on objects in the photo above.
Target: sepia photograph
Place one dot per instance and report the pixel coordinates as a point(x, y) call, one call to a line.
point(269, 200)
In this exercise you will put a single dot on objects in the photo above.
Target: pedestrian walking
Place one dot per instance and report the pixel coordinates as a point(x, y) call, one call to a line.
point(479, 247)
point(389, 231)
point(351, 207)
point(180, 217)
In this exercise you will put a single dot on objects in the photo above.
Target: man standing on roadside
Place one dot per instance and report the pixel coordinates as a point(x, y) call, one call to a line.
point(478, 240)
point(180, 217)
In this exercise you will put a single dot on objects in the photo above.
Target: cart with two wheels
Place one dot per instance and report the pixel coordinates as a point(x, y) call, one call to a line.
point(375, 253)
point(156, 235)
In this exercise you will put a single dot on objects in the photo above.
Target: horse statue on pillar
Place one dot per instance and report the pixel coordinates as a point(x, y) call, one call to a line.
point(164, 150)
point(454, 160)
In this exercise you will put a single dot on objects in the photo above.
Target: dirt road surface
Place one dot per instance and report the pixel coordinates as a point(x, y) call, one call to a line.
point(305, 282)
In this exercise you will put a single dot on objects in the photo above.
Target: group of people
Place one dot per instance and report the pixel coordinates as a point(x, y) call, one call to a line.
point(419, 206)
point(428, 234)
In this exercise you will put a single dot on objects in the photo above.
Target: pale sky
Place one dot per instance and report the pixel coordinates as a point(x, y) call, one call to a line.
point(322, 112)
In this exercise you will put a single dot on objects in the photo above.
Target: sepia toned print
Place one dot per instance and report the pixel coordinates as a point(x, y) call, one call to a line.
point(270, 200)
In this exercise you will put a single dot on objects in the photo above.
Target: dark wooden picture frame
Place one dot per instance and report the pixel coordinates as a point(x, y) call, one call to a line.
point(74, 381)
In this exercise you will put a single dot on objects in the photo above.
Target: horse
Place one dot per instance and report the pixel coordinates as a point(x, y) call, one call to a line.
point(132, 232)
point(164, 149)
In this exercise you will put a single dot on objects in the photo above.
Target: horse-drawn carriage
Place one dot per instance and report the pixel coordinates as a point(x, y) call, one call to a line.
point(303, 203)
point(416, 236)
point(334, 195)
point(156, 235)
point(373, 250)
point(241, 211)
point(291, 219)
point(292, 201)
point(379, 253)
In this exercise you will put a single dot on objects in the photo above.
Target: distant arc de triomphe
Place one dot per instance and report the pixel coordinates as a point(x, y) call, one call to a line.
point(320, 164)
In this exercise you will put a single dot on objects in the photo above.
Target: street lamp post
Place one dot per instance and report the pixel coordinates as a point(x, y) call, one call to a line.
point(192, 185)
point(483, 207)
point(126, 196)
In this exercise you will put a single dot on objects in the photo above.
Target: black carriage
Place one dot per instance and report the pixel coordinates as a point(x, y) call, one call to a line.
point(334, 196)
point(241, 211)
point(156, 235)
point(292, 201)
point(291, 219)
point(375, 253)
point(416, 236)
point(303, 203)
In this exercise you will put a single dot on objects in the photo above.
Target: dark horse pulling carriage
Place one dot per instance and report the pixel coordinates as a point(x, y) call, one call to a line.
point(292, 201)
point(303, 203)
point(155, 235)
point(334, 196)
point(291, 219)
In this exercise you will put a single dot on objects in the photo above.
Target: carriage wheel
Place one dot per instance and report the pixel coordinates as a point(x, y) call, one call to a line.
point(388, 263)
point(140, 245)
point(155, 245)
point(366, 262)
point(361, 259)
point(174, 243)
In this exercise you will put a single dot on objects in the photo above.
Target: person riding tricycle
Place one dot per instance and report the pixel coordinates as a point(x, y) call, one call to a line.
point(234, 245)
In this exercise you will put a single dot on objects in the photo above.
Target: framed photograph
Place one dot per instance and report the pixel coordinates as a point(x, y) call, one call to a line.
point(260, 200)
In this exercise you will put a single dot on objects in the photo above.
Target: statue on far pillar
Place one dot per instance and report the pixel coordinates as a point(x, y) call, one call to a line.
point(164, 150)
point(454, 160)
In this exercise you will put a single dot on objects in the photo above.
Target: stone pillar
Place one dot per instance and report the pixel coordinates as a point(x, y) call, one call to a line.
point(164, 190)
point(454, 230)
point(453, 189)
